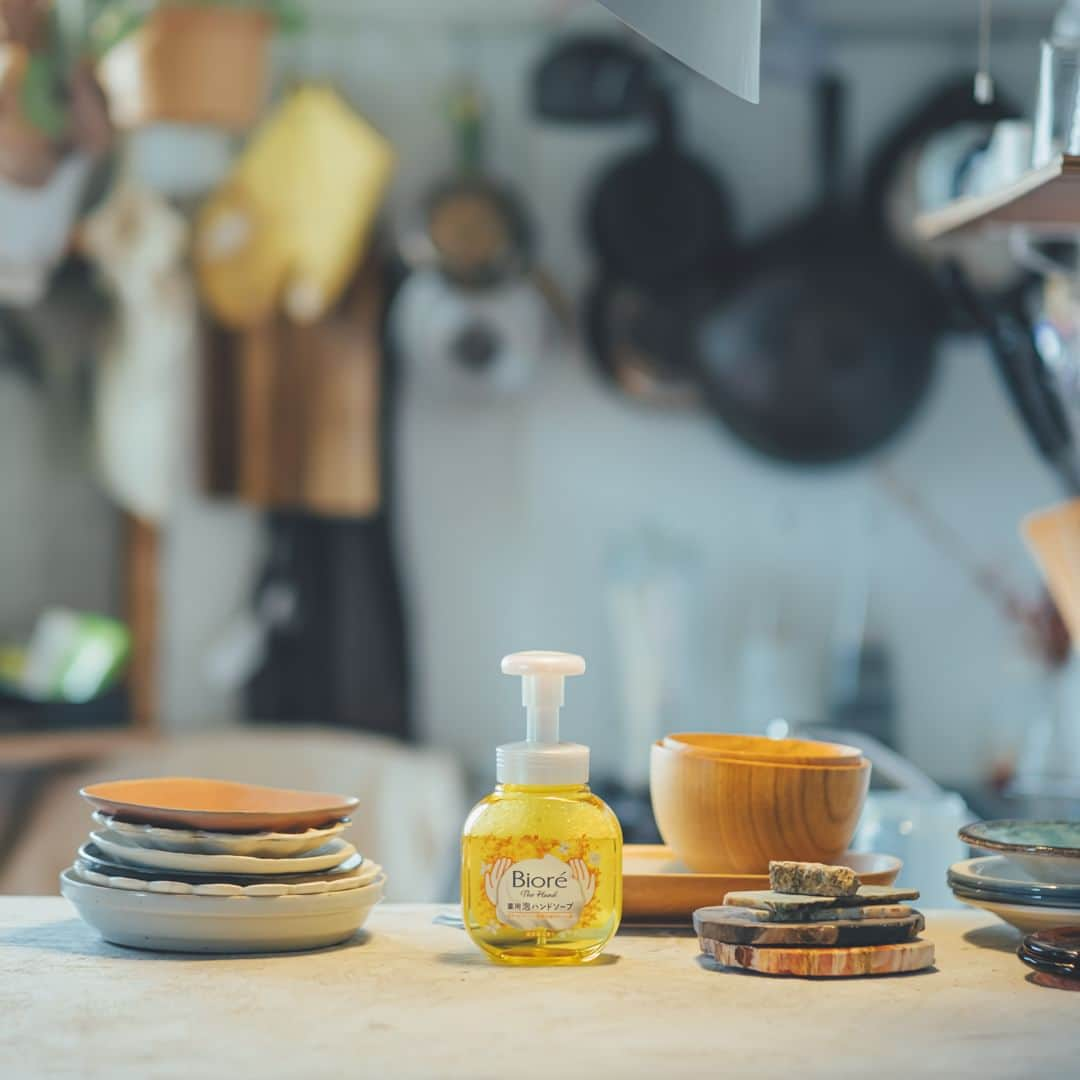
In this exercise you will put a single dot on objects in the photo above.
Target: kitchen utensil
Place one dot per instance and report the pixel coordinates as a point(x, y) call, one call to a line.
point(229, 924)
point(217, 805)
point(724, 816)
point(592, 79)
point(658, 217)
point(471, 345)
point(200, 842)
point(817, 963)
point(760, 748)
point(657, 885)
point(122, 850)
point(1046, 850)
point(826, 350)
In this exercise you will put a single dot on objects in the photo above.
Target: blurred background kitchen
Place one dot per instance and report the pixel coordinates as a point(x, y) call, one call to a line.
point(490, 326)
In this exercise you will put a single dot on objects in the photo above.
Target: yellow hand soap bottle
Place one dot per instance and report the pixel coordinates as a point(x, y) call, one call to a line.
point(541, 857)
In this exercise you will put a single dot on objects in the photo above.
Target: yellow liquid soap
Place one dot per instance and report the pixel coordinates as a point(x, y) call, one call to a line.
point(541, 874)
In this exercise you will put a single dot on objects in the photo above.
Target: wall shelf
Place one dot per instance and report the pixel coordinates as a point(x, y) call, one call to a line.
point(1047, 198)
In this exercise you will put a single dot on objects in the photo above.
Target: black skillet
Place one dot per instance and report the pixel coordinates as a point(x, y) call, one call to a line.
point(827, 350)
point(658, 221)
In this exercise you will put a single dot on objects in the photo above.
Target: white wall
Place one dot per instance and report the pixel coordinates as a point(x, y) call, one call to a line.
point(506, 512)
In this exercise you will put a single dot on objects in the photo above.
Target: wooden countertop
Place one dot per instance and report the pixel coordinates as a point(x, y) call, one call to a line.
point(409, 998)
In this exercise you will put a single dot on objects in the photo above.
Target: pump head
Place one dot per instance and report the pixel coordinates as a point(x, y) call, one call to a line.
point(542, 759)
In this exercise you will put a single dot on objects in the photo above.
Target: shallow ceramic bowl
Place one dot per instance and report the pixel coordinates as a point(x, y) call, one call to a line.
point(232, 924)
point(273, 845)
point(1046, 850)
point(122, 850)
point(723, 816)
point(996, 877)
point(760, 748)
point(217, 805)
point(1026, 917)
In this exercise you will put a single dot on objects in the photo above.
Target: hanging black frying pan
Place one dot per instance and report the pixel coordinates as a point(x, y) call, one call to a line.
point(658, 221)
point(947, 122)
point(828, 349)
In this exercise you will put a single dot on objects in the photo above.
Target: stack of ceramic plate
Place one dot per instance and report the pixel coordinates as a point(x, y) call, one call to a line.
point(1033, 879)
point(213, 866)
point(1055, 956)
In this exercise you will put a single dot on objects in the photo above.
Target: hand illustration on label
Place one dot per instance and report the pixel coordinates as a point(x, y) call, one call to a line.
point(492, 876)
point(542, 893)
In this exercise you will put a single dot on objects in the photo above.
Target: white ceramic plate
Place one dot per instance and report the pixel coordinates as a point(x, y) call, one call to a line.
point(270, 845)
point(1025, 917)
point(998, 873)
point(367, 874)
point(233, 924)
point(124, 850)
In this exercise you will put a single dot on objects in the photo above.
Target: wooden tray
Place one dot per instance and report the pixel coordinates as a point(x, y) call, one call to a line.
point(657, 886)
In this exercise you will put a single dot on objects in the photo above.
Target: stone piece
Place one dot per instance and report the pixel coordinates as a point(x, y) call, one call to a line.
point(738, 926)
point(812, 879)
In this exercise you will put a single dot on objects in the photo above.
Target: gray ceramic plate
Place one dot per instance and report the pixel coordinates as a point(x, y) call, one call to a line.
point(999, 875)
point(1048, 851)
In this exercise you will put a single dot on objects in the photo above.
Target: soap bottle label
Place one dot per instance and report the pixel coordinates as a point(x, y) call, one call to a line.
point(539, 893)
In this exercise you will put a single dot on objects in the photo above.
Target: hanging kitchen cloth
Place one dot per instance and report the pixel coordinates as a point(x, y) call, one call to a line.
point(146, 381)
point(290, 225)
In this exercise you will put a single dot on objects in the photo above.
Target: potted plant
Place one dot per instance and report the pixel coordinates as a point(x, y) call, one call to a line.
point(190, 61)
point(50, 102)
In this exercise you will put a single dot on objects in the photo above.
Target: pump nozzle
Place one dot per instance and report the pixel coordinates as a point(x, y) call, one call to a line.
point(542, 758)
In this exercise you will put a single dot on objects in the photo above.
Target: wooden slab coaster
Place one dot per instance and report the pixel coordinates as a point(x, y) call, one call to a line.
point(738, 926)
point(795, 906)
point(823, 963)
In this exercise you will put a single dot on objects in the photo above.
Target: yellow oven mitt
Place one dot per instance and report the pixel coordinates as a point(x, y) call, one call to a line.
point(293, 220)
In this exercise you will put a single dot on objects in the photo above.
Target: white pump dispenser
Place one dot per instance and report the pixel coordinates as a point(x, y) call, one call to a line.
point(542, 759)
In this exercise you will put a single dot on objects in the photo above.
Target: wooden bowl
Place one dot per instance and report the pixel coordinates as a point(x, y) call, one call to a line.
point(721, 815)
point(217, 805)
point(760, 748)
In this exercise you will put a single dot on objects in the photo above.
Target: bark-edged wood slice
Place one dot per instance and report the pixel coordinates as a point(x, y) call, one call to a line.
point(823, 963)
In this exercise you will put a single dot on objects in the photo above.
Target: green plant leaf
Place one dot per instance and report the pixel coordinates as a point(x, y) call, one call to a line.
point(42, 97)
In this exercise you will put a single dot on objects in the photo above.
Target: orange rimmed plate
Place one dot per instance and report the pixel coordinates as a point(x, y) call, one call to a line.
point(657, 886)
point(217, 805)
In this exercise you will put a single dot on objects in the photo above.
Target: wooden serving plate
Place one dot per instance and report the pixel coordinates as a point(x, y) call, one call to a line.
point(657, 886)
point(217, 805)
